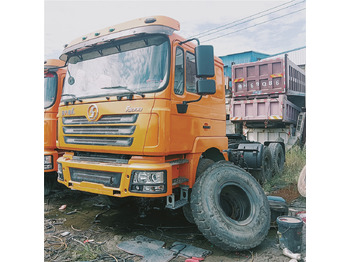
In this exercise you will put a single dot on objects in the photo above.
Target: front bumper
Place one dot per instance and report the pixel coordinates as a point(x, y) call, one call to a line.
point(111, 178)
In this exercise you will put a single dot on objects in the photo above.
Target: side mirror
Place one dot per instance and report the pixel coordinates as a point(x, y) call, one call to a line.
point(204, 61)
point(206, 87)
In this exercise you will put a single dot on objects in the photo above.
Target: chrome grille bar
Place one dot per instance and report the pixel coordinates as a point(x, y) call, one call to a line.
point(99, 130)
point(106, 119)
point(101, 141)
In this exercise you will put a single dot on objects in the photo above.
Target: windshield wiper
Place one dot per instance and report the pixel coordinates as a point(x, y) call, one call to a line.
point(73, 99)
point(125, 88)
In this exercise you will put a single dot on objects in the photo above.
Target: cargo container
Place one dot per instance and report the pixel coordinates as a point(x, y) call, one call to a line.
point(269, 76)
point(278, 108)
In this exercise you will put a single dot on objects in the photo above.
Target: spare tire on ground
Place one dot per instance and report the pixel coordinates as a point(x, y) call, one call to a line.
point(230, 208)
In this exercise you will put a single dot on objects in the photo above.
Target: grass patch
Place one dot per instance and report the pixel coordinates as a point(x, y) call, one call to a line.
point(86, 253)
point(295, 161)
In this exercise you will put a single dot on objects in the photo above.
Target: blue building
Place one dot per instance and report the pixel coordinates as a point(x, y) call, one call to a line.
point(240, 58)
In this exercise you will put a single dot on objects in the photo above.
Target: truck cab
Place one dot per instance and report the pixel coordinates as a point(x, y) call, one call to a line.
point(54, 75)
point(143, 115)
point(119, 121)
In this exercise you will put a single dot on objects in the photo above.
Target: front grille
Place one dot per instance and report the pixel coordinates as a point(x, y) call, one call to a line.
point(109, 130)
point(109, 179)
point(99, 141)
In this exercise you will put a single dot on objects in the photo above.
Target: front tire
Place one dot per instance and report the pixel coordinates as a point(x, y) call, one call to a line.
point(49, 181)
point(203, 164)
point(230, 208)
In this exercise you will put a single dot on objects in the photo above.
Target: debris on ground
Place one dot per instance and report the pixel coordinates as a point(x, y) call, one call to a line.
point(150, 249)
point(189, 251)
point(89, 241)
point(290, 254)
point(154, 250)
point(63, 207)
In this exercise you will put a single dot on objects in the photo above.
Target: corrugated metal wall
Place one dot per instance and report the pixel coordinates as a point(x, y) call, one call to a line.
point(298, 56)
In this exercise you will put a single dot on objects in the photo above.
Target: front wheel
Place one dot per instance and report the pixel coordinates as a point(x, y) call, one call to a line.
point(49, 181)
point(203, 164)
point(230, 208)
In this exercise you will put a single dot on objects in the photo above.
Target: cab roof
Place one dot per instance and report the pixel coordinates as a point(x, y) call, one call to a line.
point(166, 23)
point(53, 63)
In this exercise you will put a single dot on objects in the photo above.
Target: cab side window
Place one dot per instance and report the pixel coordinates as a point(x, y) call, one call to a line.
point(179, 72)
point(190, 73)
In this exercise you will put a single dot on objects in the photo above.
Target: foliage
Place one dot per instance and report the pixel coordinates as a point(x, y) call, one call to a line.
point(295, 161)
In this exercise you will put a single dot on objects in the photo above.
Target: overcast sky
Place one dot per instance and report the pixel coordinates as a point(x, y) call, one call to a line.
point(286, 30)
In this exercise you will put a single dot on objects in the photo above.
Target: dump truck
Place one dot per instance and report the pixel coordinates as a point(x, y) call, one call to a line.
point(142, 115)
point(268, 104)
point(54, 75)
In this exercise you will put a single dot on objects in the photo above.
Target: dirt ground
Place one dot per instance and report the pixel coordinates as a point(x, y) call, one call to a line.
point(89, 229)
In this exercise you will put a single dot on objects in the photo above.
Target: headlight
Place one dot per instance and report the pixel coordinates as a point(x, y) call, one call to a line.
point(48, 162)
point(59, 171)
point(146, 177)
point(148, 182)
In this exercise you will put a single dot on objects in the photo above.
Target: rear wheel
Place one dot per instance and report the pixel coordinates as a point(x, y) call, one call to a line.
point(265, 174)
point(203, 164)
point(277, 158)
point(230, 207)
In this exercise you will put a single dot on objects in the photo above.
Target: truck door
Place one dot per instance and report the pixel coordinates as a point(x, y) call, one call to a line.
point(197, 121)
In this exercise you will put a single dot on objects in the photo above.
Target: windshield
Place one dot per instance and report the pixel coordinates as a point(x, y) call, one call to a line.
point(134, 65)
point(50, 89)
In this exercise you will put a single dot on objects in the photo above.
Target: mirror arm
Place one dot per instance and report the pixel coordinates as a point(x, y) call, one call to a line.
point(182, 108)
point(191, 101)
point(196, 39)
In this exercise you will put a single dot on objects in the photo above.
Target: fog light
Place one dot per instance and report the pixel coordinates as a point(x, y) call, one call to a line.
point(148, 182)
point(153, 188)
point(48, 162)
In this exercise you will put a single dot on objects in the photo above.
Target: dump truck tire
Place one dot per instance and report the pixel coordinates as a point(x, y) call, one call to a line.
point(278, 158)
point(230, 208)
point(203, 164)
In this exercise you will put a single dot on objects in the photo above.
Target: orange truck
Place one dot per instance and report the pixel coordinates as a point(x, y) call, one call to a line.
point(143, 115)
point(54, 74)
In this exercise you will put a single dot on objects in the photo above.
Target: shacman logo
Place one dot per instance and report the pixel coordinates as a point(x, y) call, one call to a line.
point(68, 112)
point(133, 109)
point(92, 112)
